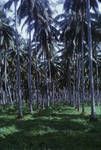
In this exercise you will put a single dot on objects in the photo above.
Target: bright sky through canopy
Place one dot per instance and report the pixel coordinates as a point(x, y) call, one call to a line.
point(56, 6)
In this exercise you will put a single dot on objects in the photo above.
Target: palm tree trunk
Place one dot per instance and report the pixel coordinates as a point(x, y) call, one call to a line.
point(5, 73)
point(53, 93)
point(97, 82)
point(93, 110)
point(29, 72)
point(78, 83)
point(50, 79)
point(74, 84)
point(18, 81)
point(97, 77)
point(47, 90)
point(82, 68)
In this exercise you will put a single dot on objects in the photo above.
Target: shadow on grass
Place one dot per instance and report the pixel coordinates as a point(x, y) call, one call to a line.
point(50, 141)
point(52, 131)
point(6, 122)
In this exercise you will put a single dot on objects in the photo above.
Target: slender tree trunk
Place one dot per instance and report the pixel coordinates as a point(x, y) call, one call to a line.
point(10, 96)
point(5, 73)
point(47, 91)
point(37, 77)
point(93, 110)
point(97, 78)
point(78, 83)
point(50, 80)
point(74, 83)
point(29, 72)
point(18, 81)
point(53, 93)
point(82, 68)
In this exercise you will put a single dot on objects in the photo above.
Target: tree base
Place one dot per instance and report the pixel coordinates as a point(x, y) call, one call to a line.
point(93, 118)
point(83, 113)
point(19, 116)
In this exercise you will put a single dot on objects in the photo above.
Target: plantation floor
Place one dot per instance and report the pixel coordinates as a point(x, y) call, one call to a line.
point(62, 128)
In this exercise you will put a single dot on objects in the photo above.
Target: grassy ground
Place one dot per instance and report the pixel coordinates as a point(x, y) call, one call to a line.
point(62, 128)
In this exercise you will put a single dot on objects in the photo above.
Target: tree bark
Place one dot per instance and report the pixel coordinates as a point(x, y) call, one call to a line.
point(18, 81)
point(90, 55)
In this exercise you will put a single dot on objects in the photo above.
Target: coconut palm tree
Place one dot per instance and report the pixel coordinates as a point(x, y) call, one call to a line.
point(18, 82)
point(38, 19)
point(75, 7)
point(6, 42)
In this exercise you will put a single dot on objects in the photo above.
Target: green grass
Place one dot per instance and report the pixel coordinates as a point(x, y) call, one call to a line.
point(60, 128)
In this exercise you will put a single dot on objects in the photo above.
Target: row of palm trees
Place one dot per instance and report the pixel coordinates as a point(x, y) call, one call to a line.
point(60, 59)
